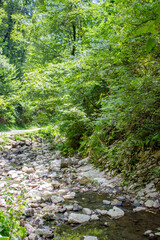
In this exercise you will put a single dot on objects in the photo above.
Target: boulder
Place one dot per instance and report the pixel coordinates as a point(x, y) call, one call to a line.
point(115, 213)
point(87, 211)
point(149, 203)
point(78, 218)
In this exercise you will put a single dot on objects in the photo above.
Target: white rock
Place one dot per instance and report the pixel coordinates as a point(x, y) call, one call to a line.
point(106, 202)
point(156, 204)
point(78, 218)
point(101, 212)
point(115, 213)
point(149, 203)
point(147, 232)
point(90, 238)
point(94, 217)
point(70, 195)
point(87, 211)
point(138, 209)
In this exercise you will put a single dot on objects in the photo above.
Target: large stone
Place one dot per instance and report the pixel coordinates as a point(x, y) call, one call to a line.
point(115, 213)
point(138, 209)
point(70, 195)
point(78, 218)
point(66, 162)
point(102, 212)
point(94, 217)
point(106, 202)
point(90, 238)
point(87, 211)
point(46, 232)
point(84, 181)
point(149, 203)
point(156, 204)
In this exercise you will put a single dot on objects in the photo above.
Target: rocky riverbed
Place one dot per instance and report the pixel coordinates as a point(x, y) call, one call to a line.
point(52, 183)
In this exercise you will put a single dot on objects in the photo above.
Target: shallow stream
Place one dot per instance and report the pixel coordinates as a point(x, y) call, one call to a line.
point(130, 227)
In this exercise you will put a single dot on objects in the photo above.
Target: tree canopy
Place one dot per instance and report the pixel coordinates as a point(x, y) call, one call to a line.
point(89, 67)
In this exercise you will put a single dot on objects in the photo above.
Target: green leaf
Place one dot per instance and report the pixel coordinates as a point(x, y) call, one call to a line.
point(150, 44)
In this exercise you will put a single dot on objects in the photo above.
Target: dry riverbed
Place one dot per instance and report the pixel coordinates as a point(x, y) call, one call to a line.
point(51, 183)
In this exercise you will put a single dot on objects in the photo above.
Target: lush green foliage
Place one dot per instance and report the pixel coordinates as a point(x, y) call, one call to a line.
point(10, 218)
point(91, 68)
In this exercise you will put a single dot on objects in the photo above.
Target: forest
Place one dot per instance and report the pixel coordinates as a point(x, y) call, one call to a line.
point(90, 68)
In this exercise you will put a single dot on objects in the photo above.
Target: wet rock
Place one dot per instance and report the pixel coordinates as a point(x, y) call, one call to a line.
point(156, 204)
point(101, 212)
point(76, 207)
point(149, 203)
point(115, 213)
point(147, 232)
point(90, 238)
point(157, 234)
point(87, 211)
point(116, 202)
point(151, 236)
point(136, 203)
point(106, 224)
point(138, 209)
point(106, 202)
point(78, 218)
point(94, 217)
